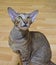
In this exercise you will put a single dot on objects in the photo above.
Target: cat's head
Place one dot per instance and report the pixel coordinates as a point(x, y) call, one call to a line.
point(22, 20)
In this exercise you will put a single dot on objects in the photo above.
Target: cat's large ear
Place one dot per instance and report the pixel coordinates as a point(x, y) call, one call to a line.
point(33, 15)
point(12, 13)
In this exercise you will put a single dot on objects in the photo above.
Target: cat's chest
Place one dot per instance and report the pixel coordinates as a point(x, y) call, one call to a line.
point(18, 38)
point(15, 34)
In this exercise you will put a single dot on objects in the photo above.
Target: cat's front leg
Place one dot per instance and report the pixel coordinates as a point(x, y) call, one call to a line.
point(25, 58)
point(41, 56)
point(26, 62)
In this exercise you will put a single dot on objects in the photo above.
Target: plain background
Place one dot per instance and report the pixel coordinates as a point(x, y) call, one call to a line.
point(45, 21)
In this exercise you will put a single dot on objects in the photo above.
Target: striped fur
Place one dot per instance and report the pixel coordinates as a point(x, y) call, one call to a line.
point(33, 47)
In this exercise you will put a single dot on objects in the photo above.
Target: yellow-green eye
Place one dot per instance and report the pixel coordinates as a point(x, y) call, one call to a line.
point(19, 17)
point(28, 17)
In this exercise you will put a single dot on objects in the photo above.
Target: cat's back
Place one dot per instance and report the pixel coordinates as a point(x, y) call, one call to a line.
point(39, 39)
point(37, 35)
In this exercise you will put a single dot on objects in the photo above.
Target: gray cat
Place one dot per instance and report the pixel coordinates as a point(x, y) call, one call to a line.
point(33, 46)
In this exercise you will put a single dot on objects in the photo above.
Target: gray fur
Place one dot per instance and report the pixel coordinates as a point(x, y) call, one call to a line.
point(33, 46)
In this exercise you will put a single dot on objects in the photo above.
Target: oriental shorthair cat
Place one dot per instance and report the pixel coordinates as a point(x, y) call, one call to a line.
point(33, 46)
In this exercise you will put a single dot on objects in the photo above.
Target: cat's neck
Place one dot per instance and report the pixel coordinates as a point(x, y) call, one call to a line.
point(20, 33)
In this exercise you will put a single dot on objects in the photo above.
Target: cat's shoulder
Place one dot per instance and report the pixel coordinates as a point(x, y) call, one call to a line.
point(37, 34)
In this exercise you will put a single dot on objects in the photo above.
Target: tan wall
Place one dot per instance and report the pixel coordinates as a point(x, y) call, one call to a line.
point(45, 21)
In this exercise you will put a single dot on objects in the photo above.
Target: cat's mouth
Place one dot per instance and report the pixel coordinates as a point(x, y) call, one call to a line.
point(25, 25)
point(24, 28)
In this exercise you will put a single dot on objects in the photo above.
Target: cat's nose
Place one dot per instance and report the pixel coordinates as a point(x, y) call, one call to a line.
point(25, 22)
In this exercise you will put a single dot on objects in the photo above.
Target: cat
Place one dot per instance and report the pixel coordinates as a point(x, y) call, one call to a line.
point(33, 46)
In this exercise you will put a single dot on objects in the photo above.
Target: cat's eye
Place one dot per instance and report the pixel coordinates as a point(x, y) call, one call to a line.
point(28, 17)
point(19, 17)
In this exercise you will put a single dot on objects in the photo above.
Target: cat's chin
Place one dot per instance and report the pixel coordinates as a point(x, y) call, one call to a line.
point(23, 28)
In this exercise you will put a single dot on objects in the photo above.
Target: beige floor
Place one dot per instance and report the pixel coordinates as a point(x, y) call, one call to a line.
point(45, 23)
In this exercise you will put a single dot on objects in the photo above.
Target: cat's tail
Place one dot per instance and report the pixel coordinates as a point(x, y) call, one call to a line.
point(51, 63)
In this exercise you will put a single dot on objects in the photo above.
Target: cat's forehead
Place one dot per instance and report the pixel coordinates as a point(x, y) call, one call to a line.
point(24, 15)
